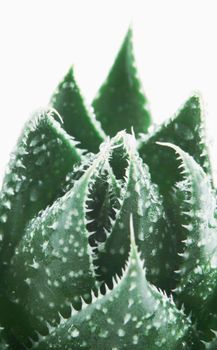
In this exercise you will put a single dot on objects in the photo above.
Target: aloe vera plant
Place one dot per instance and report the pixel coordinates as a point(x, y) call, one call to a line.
point(108, 231)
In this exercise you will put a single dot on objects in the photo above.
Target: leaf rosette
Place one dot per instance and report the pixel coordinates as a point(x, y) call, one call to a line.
point(108, 229)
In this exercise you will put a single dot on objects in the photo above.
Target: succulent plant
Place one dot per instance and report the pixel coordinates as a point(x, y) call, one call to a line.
point(108, 231)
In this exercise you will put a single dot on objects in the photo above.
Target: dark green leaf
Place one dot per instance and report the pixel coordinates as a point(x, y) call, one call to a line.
point(186, 130)
point(78, 121)
point(3, 342)
point(197, 286)
point(120, 103)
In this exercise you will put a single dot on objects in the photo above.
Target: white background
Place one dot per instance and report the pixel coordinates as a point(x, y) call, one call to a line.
point(175, 46)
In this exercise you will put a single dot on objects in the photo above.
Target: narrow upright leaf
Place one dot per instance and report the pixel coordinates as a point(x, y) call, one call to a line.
point(120, 103)
point(43, 156)
point(134, 315)
point(186, 130)
point(197, 286)
point(78, 121)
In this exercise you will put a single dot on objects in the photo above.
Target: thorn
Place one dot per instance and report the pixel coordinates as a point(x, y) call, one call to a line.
point(214, 332)
point(62, 319)
point(50, 327)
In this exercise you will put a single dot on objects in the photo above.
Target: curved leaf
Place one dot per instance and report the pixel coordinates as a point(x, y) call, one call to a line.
point(43, 156)
point(186, 130)
point(197, 287)
point(146, 318)
point(52, 265)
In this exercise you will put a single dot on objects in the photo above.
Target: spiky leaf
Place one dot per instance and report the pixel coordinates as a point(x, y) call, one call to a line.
point(146, 318)
point(198, 270)
point(186, 130)
point(120, 103)
point(43, 156)
point(52, 266)
point(138, 196)
point(78, 121)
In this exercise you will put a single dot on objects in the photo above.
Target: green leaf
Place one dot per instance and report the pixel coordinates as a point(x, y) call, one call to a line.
point(120, 103)
point(103, 198)
point(197, 287)
point(102, 206)
point(78, 121)
point(186, 130)
point(42, 158)
point(75, 173)
point(134, 315)
point(52, 266)
point(138, 196)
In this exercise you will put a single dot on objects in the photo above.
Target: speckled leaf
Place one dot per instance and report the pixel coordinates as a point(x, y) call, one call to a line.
point(42, 158)
point(120, 103)
point(140, 197)
point(52, 265)
point(186, 130)
point(134, 315)
point(71, 276)
point(78, 121)
point(103, 200)
point(197, 287)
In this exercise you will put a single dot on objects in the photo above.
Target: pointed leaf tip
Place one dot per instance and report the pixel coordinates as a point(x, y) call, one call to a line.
point(185, 129)
point(146, 318)
point(195, 207)
point(78, 120)
point(139, 198)
point(120, 103)
point(170, 145)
